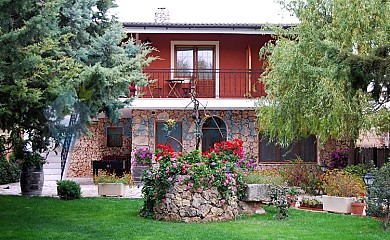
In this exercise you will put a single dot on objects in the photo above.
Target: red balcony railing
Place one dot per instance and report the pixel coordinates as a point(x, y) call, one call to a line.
point(219, 83)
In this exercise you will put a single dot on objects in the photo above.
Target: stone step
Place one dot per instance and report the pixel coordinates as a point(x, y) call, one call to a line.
point(51, 159)
point(52, 165)
point(51, 171)
point(52, 177)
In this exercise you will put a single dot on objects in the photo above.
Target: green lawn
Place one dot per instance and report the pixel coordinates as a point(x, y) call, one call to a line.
point(112, 218)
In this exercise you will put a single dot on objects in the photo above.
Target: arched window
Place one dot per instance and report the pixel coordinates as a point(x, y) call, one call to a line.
point(214, 131)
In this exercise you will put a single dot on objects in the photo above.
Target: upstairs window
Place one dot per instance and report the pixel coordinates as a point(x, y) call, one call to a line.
point(199, 59)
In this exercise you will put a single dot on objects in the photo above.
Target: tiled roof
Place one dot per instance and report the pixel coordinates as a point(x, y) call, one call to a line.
point(203, 25)
point(229, 28)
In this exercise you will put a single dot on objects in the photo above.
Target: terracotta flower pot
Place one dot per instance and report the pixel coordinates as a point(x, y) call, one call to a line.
point(358, 208)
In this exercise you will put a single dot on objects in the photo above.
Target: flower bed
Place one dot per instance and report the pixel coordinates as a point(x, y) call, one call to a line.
point(183, 205)
point(194, 185)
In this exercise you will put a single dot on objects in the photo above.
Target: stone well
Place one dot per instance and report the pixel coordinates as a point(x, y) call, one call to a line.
point(182, 205)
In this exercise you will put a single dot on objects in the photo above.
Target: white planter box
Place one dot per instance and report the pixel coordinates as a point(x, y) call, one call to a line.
point(111, 189)
point(337, 204)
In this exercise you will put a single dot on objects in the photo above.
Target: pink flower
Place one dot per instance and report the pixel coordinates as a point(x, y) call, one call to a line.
point(199, 190)
point(170, 179)
point(223, 201)
point(164, 200)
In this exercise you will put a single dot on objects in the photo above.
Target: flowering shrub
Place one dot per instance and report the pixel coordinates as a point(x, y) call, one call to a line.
point(339, 159)
point(199, 172)
point(142, 156)
point(307, 176)
point(343, 184)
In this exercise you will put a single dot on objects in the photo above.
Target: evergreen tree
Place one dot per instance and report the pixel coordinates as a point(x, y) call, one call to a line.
point(58, 55)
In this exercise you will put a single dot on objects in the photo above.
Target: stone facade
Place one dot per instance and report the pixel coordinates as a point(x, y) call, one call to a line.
point(94, 147)
point(240, 124)
point(139, 131)
point(182, 205)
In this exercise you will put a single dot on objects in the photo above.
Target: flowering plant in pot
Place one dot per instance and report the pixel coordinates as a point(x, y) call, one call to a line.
point(341, 188)
point(142, 156)
point(109, 184)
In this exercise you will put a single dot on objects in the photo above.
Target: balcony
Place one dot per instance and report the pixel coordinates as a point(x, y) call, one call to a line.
point(219, 83)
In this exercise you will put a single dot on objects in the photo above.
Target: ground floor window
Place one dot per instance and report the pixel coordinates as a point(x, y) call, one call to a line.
point(114, 136)
point(174, 138)
point(214, 131)
point(306, 149)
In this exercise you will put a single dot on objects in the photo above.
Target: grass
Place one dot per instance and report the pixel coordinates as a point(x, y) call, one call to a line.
point(113, 218)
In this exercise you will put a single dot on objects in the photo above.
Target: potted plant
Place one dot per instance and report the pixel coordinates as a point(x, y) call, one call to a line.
point(358, 207)
point(111, 185)
point(31, 175)
point(142, 160)
point(341, 188)
point(311, 203)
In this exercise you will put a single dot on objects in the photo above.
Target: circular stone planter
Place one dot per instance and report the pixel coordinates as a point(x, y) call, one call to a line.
point(182, 205)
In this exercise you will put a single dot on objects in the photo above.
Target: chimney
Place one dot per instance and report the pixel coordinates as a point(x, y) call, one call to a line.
point(161, 15)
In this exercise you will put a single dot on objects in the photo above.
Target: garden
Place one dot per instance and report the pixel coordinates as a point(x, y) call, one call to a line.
point(118, 218)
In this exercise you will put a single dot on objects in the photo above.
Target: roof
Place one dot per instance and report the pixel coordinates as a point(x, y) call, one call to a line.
point(231, 28)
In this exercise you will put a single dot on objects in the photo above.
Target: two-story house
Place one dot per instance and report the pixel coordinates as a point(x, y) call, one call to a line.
point(206, 74)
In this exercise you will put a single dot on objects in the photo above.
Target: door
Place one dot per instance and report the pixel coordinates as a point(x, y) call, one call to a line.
point(198, 63)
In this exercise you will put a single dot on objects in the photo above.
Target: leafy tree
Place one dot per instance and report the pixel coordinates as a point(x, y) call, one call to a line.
point(59, 57)
point(328, 75)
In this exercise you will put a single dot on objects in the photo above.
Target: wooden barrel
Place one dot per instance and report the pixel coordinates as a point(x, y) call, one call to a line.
point(31, 182)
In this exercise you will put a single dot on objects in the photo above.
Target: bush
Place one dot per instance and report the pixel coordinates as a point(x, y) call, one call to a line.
point(68, 190)
point(379, 194)
point(359, 170)
point(306, 176)
point(9, 172)
point(343, 184)
point(268, 176)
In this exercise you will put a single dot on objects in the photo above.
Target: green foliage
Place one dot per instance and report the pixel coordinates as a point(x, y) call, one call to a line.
point(306, 176)
point(30, 160)
point(317, 72)
point(310, 202)
point(264, 177)
point(359, 169)
point(112, 216)
point(61, 57)
point(379, 194)
point(107, 177)
point(197, 172)
point(278, 196)
point(9, 172)
point(68, 190)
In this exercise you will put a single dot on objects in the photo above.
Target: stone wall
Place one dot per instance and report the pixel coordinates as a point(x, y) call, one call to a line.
point(182, 205)
point(333, 145)
point(94, 147)
point(240, 124)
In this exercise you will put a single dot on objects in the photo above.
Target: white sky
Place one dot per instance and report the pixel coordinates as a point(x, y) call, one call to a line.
point(204, 11)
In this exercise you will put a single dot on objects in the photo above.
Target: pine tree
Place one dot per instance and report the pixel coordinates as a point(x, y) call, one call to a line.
point(58, 55)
